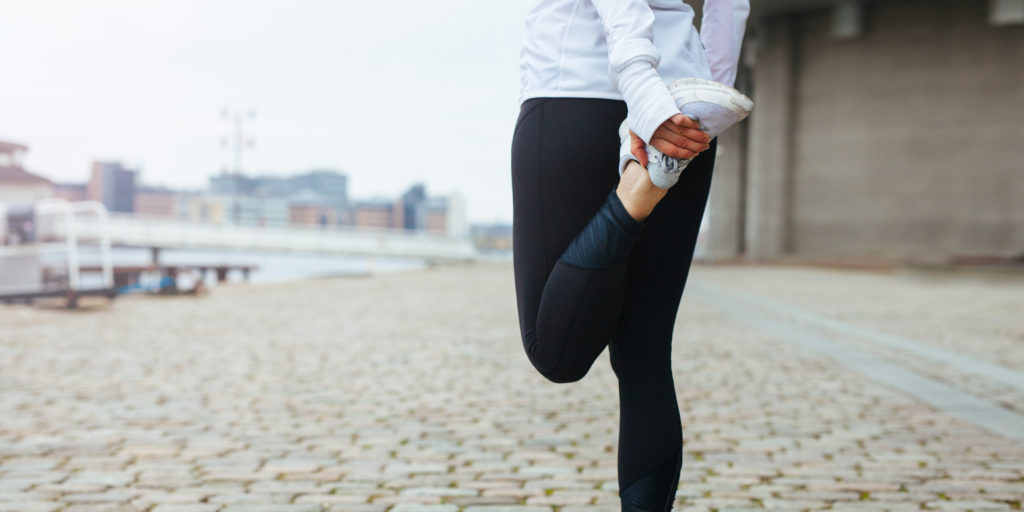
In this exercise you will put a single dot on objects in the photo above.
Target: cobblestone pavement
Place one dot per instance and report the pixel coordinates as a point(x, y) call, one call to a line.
point(410, 392)
point(976, 318)
point(976, 315)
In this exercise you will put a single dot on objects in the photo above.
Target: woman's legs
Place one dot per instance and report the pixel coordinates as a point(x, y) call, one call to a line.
point(571, 236)
point(650, 433)
point(571, 303)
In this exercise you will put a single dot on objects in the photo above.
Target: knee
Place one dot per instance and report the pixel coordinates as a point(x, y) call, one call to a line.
point(561, 360)
point(559, 373)
point(562, 377)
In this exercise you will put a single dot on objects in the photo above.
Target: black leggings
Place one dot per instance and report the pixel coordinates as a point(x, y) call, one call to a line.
point(564, 172)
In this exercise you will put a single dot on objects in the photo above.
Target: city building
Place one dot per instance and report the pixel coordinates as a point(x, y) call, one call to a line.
point(441, 214)
point(158, 201)
point(378, 213)
point(492, 237)
point(414, 207)
point(883, 130)
point(230, 184)
point(312, 215)
point(71, 191)
point(330, 187)
point(19, 187)
point(203, 208)
point(456, 220)
point(435, 215)
point(270, 212)
point(113, 185)
point(309, 208)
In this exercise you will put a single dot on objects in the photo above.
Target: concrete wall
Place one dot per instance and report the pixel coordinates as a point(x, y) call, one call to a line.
point(723, 237)
point(908, 141)
point(769, 181)
point(904, 142)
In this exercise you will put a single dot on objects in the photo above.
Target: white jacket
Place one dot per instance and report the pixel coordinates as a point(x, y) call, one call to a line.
point(628, 50)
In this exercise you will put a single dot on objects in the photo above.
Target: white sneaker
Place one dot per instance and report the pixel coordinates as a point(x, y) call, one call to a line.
point(714, 105)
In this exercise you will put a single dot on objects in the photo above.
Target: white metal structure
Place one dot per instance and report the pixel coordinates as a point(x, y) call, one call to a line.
point(139, 231)
point(56, 225)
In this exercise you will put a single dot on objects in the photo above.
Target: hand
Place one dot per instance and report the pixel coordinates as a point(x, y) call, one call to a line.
point(678, 137)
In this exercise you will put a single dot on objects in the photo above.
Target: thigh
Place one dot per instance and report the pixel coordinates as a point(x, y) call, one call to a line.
point(658, 268)
point(564, 163)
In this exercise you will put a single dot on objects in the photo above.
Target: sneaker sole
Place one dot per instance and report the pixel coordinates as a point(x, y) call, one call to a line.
point(743, 105)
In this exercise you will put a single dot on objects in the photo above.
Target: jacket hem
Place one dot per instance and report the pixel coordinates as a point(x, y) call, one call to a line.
point(568, 94)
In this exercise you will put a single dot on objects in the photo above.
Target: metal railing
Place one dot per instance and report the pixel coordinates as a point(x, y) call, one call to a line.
point(56, 228)
point(173, 233)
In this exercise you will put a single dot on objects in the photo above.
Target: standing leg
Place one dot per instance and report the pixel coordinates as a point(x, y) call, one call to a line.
point(650, 432)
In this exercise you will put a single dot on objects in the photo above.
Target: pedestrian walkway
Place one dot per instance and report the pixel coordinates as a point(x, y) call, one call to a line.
point(796, 326)
point(410, 392)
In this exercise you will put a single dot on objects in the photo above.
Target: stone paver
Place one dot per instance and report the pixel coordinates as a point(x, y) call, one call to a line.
point(410, 392)
point(977, 316)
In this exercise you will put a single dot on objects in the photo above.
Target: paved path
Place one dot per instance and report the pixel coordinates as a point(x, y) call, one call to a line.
point(410, 393)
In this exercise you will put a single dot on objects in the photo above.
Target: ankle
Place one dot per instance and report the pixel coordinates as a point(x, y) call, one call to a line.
point(637, 193)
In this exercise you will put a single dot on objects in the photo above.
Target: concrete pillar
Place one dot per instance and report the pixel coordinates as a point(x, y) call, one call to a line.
point(768, 222)
point(724, 237)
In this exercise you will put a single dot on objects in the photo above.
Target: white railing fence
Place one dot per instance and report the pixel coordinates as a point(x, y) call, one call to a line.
point(170, 233)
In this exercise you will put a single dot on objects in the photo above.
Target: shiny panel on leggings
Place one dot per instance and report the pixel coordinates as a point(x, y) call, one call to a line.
point(655, 491)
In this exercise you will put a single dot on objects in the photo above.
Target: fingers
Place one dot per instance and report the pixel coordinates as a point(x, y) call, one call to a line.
point(672, 150)
point(684, 121)
point(683, 125)
point(681, 142)
point(678, 137)
point(678, 146)
point(636, 147)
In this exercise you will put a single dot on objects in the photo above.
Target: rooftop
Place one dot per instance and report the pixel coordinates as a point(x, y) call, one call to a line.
point(16, 175)
point(10, 147)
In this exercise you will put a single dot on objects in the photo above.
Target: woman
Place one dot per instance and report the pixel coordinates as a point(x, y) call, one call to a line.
point(595, 262)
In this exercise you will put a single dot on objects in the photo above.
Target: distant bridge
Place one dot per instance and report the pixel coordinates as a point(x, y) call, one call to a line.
point(160, 233)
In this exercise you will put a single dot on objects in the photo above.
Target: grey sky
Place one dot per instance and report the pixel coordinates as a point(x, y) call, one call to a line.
point(389, 92)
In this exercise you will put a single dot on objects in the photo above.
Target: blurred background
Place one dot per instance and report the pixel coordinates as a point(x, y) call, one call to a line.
point(338, 116)
point(883, 130)
point(851, 337)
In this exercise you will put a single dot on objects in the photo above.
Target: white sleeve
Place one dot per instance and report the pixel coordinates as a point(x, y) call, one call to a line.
point(721, 31)
point(633, 61)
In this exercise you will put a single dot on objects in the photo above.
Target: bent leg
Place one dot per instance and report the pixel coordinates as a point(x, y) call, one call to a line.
point(650, 432)
point(571, 235)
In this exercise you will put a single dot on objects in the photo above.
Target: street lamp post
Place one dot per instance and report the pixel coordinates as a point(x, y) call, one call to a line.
point(240, 140)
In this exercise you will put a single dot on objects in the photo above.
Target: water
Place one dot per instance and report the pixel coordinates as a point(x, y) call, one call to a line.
point(273, 267)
